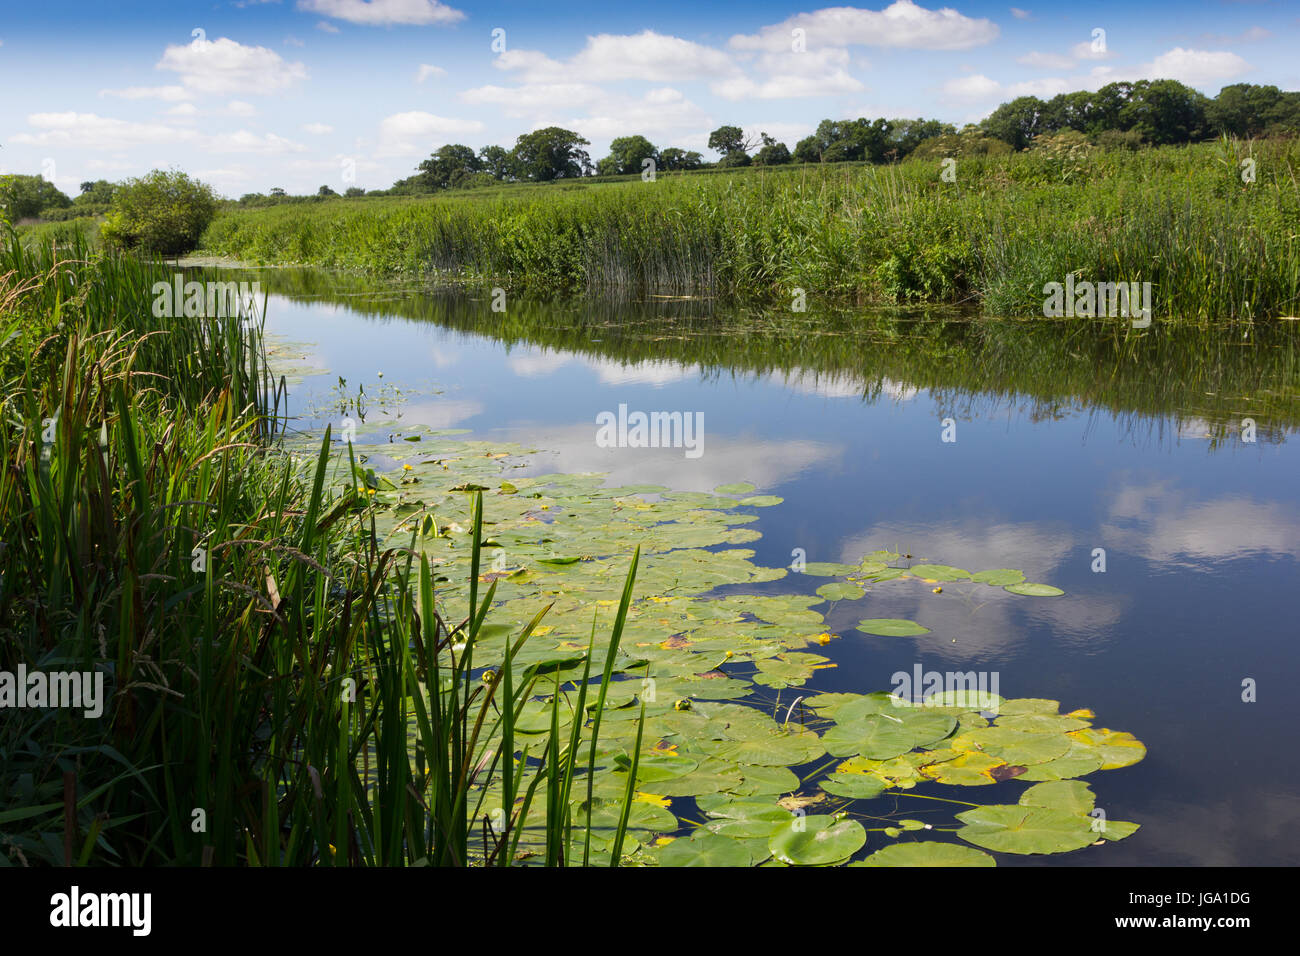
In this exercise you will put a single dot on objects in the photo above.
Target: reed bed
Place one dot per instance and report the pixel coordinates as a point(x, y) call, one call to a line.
point(267, 663)
point(1214, 246)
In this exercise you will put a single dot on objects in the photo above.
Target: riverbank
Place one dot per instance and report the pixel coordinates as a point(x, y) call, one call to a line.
point(1210, 226)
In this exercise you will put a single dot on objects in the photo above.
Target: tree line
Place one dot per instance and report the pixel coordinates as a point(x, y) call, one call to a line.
point(1118, 115)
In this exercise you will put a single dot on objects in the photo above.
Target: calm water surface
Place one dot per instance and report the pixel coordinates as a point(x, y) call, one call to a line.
point(1069, 438)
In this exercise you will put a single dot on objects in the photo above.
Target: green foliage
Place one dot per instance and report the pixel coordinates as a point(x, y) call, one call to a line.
point(23, 197)
point(551, 153)
point(1214, 247)
point(729, 141)
point(626, 155)
point(163, 212)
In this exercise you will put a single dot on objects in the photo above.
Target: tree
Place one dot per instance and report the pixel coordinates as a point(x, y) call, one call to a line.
point(1165, 111)
point(551, 153)
point(99, 192)
point(626, 155)
point(447, 164)
point(1244, 109)
point(807, 150)
point(353, 191)
point(161, 212)
point(325, 192)
point(772, 153)
point(497, 161)
point(731, 143)
point(22, 197)
point(673, 158)
point(1017, 122)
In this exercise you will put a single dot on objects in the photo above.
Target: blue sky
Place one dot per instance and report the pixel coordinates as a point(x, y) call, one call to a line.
point(251, 94)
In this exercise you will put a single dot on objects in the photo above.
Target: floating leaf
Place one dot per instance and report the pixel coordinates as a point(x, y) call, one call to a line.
point(817, 841)
point(827, 569)
point(1073, 796)
point(855, 786)
point(761, 501)
point(1115, 748)
point(1025, 830)
point(891, 627)
point(928, 853)
point(737, 488)
point(938, 572)
point(840, 591)
point(999, 577)
point(706, 848)
point(1034, 590)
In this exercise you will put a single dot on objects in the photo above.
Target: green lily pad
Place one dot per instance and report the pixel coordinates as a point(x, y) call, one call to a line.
point(1034, 590)
point(841, 591)
point(761, 501)
point(827, 569)
point(817, 840)
point(737, 488)
point(999, 577)
point(891, 627)
point(1073, 796)
point(928, 853)
point(1025, 830)
point(855, 786)
point(705, 848)
point(938, 572)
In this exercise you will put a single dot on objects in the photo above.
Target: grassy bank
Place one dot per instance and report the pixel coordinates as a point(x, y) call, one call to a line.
point(1182, 218)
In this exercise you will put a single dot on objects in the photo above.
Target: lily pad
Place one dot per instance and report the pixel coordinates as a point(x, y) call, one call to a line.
point(841, 591)
point(1025, 830)
point(891, 627)
point(737, 488)
point(705, 848)
point(999, 577)
point(1034, 590)
point(817, 840)
point(938, 572)
point(1073, 796)
point(928, 853)
point(827, 569)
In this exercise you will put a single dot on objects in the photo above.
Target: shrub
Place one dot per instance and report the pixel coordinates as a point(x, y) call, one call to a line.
point(161, 212)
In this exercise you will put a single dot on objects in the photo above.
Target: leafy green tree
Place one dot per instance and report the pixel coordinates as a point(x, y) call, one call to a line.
point(1245, 109)
point(807, 150)
point(626, 155)
point(22, 197)
point(1166, 111)
point(325, 192)
point(97, 193)
point(673, 158)
point(353, 191)
point(551, 153)
point(772, 153)
point(1017, 122)
point(162, 212)
point(497, 161)
point(731, 143)
point(447, 164)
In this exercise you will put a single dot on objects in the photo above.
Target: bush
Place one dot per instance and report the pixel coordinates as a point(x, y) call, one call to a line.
point(23, 197)
point(162, 212)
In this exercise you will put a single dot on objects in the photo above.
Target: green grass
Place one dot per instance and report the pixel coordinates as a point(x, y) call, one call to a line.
point(284, 690)
point(1180, 217)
